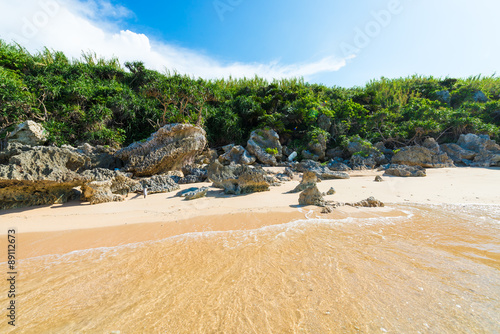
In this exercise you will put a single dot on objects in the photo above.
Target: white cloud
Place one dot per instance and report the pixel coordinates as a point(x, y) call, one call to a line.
point(73, 26)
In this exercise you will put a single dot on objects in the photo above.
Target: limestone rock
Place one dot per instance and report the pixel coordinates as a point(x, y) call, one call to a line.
point(159, 184)
point(405, 171)
point(421, 156)
point(378, 178)
point(196, 193)
point(458, 154)
point(29, 133)
point(311, 196)
point(97, 192)
point(238, 179)
point(238, 155)
point(331, 191)
point(370, 202)
point(322, 172)
point(265, 145)
point(170, 148)
point(309, 179)
point(487, 150)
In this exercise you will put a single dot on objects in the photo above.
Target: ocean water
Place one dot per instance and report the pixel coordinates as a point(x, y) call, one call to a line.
point(434, 269)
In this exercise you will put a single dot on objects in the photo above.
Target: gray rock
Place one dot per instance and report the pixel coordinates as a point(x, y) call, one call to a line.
point(238, 179)
point(309, 179)
point(197, 193)
point(370, 202)
point(487, 150)
point(262, 142)
point(334, 153)
point(238, 155)
point(458, 154)
point(311, 196)
point(159, 184)
point(405, 171)
point(97, 192)
point(432, 145)
point(322, 172)
point(29, 133)
point(172, 147)
point(378, 178)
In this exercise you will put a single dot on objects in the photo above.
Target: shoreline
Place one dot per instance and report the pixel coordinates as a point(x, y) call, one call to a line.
point(59, 229)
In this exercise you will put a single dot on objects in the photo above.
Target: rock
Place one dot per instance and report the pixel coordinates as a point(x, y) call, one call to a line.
point(183, 193)
point(309, 179)
point(316, 148)
point(238, 155)
point(432, 145)
point(308, 155)
point(378, 178)
point(289, 172)
point(311, 196)
point(479, 96)
point(331, 191)
point(334, 153)
point(197, 193)
point(322, 172)
point(327, 209)
point(265, 145)
point(370, 202)
point(487, 150)
point(444, 96)
point(97, 192)
point(100, 156)
point(458, 154)
point(121, 183)
point(193, 174)
point(381, 147)
point(238, 179)
point(324, 122)
point(364, 155)
point(159, 184)
point(170, 148)
point(421, 156)
point(29, 133)
point(206, 157)
point(405, 171)
point(338, 165)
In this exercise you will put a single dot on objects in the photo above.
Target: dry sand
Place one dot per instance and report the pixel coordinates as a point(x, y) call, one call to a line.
point(58, 229)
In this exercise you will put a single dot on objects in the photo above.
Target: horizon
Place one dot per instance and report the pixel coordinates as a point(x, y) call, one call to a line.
point(336, 45)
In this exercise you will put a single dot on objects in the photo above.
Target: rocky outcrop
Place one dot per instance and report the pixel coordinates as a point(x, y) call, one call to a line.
point(309, 179)
point(429, 157)
point(458, 154)
point(265, 145)
point(364, 155)
point(311, 196)
point(405, 171)
point(170, 148)
point(487, 150)
point(196, 193)
point(236, 154)
point(238, 179)
point(159, 184)
point(370, 202)
point(322, 172)
point(97, 192)
point(316, 148)
point(28, 133)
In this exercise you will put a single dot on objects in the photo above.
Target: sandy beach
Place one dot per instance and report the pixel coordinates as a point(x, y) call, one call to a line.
point(58, 229)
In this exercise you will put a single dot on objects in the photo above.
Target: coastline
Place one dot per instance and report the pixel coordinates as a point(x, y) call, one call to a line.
point(58, 229)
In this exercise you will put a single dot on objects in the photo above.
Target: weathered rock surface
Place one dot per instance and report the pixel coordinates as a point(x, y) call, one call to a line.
point(322, 172)
point(311, 196)
point(196, 193)
point(265, 145)
point(236, 154)
point(458, 154)
point(315, 149)
point(238, 179)
point(378, 178)
point(405, 171)
point(172, 147)
point(29, 133)
point(97, 192)
point(309, 179)
point(487, 150)
point(159, 184)
point(422, 156)
point(331, 191)
point(370, 202)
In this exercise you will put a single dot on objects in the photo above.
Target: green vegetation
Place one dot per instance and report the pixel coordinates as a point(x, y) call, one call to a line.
point(98, 101)
point(272, 151)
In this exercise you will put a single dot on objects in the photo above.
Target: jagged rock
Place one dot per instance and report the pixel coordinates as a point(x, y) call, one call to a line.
point(327, 209)
point(29, 133)
point(432, 145)
point(197, 193)
point(331, 191)
point(322, 172)
point(364, 155)
point(421, 156)
point(311, 196)
point(370, 202)
point(97, 192)
point(206, 157)
point(334, 153)
point(159, 184)
point(289, 172)
point(238, 179)
point(307, 155)
point(120, 183)
point(479, 96)
point(170, 148)
point(100, 156)
point(381, 147)
point(193, 174)
point(405, 171)
point(378, 178)
point(309, 179)
point(183, 193)
point(444, 96)
point(316, 148)
point(265, 145)
point(487, 150)
point(338, 165)
point(458, 154)
point(238, 155)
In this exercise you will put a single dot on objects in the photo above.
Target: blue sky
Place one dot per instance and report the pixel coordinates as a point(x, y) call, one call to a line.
point(342, 43)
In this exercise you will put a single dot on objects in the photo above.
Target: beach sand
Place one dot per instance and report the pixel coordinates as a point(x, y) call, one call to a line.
point(58, 229)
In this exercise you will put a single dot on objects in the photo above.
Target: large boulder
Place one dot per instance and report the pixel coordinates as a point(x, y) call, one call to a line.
point(421, 156)
point(97, 192)
point(322, 172)
point(159, 184)
point(316, 148)
point(236, 154)
point(170, 148)
point(487, 150)
point(265, 145)
point(238, 179)
point(458, 154)
point(309, 179)
point(28, 133)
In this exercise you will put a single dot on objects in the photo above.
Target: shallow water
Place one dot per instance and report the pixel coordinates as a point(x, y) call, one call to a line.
point(436, 269)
